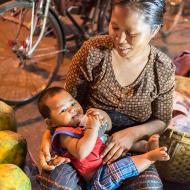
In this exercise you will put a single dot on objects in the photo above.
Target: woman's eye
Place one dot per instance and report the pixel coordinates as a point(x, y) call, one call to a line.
point(131, 35)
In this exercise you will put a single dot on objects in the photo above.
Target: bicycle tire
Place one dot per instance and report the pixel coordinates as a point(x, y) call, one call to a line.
point(20, 84)
point(92, 15)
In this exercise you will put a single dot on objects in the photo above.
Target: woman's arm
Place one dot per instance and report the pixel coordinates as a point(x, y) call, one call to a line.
point(123, 140)
point(45, 156)
point(162, 107)
point(81, 148)
point(78, 77)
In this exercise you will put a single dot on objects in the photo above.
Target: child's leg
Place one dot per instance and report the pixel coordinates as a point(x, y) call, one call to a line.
point(143, 161)
point(144, 146)
point(153, 142)
point(110, 176)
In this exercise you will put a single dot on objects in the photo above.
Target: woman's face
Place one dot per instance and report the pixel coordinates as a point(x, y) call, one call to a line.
point(130, 32)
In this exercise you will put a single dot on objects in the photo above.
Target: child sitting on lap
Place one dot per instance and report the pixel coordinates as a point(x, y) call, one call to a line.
point(81, 138)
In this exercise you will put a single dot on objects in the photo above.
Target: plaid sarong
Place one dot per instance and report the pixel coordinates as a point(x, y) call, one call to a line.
point(111, 176)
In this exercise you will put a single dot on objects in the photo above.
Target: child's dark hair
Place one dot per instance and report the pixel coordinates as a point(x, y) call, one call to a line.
point(47, 93)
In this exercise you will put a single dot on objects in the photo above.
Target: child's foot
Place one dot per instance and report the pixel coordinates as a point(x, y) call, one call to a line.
point(158, 154)
point(153, 142)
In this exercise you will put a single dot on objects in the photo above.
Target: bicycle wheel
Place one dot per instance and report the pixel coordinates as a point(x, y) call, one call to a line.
point(23, 78)
point(96, 15)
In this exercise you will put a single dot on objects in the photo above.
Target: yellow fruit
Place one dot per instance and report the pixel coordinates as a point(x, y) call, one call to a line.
point(13, 148)
point(7, 117)
point(13, 178)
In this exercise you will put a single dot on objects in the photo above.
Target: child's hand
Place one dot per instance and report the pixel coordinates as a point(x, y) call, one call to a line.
point(96, 112)
point(93, 122)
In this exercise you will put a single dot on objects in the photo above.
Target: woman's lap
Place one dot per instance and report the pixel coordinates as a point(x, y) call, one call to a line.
point(148, 180)
point(63, 177)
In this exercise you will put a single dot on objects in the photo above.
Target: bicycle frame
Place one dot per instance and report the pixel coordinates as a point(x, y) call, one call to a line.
point(33, 24)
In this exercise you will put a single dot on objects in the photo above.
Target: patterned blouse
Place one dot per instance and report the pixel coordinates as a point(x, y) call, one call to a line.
point(91, 80)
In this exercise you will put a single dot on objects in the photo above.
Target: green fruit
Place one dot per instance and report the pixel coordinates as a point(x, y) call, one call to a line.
point(13, 178)
point(7, 117)
point(13, 148)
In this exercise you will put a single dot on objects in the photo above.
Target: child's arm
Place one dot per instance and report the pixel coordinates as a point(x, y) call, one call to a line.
point(81, 148)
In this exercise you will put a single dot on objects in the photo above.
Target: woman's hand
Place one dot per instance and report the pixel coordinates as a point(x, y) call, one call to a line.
point(118, 144)
point(45, 156)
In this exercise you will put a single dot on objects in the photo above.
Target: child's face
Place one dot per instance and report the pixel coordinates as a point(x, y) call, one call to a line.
point(65, 110)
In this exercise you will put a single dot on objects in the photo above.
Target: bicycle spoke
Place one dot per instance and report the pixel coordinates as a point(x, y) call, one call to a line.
point(50, 54)
point(23, 77)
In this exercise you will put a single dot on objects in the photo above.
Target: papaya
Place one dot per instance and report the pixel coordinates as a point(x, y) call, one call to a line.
point(12, 178)
point(13, 148)
point(7, 117)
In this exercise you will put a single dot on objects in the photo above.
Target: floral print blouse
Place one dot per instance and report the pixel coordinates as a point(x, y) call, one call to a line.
point(91, 81)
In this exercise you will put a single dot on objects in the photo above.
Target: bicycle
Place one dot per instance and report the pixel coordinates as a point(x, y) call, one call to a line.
point(95, 15)
point(27, 65)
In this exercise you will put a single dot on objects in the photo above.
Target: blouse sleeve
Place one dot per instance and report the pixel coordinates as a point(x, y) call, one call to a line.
point(81, 72)
point(162, 106)
point(77, 79)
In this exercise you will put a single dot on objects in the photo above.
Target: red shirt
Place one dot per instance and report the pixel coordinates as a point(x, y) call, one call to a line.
point(87, 165)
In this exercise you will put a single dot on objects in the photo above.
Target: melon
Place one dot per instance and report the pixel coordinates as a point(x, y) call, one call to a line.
point(7, 117)
point(13, 178)
point(13, 148)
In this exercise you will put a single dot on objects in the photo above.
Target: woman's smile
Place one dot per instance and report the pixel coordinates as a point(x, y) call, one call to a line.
point(124, 50)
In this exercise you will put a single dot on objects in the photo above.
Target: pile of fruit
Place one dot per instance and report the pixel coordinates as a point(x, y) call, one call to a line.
point(13, 149)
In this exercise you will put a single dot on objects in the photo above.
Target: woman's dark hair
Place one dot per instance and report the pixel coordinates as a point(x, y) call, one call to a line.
point(49, 92)
point(152, 10)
